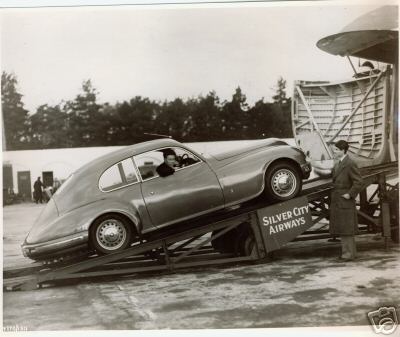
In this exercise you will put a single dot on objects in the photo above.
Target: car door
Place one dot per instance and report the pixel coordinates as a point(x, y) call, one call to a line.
point(190, 191)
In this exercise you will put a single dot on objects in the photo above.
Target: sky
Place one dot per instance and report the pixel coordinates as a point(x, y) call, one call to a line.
point(168, 51)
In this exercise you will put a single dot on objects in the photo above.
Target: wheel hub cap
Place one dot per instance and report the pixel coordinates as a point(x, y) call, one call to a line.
point(111, 234)
point(284, 182)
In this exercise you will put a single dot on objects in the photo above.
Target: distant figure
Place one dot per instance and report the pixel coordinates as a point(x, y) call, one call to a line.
point(37, 190)
point(56, 185)
point(167, 167)
point(48, 192)
point(366, 69)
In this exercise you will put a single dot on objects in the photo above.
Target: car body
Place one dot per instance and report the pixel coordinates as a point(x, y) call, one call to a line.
point(125, 184)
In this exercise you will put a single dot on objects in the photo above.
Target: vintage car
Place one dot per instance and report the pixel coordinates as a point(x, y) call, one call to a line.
point(111, 202)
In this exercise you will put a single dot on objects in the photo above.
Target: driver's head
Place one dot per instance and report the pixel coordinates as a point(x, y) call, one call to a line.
point(169, 157)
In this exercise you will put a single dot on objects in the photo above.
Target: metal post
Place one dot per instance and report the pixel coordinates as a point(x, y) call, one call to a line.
point(255, 223)
point(167, 258)
point(363, 200)
point(313, 122)
point(385, 209)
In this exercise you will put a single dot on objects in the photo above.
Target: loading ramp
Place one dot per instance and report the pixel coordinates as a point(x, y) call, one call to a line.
point(237, 236)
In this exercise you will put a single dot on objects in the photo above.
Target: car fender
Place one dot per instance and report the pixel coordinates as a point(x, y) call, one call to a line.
point(242, 177)
point(105, 206)
point(80, 219)
point(291, 154)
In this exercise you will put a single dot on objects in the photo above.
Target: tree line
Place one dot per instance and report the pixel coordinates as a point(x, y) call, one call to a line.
point(85, 122)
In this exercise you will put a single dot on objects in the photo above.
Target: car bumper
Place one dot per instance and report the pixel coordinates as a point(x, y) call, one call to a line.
point(56, 247)
point(306, 170)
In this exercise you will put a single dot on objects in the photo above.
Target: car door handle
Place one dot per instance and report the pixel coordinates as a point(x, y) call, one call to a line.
point(151, 193)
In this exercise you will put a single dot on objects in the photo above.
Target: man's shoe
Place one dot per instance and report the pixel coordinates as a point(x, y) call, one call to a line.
point(342, 259)
point(347, 259)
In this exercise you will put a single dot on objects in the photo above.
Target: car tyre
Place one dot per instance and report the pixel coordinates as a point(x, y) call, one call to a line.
point(110, 233)
point(282, 182)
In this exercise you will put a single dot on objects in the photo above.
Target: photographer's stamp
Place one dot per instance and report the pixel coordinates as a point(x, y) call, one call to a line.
point(384, 320)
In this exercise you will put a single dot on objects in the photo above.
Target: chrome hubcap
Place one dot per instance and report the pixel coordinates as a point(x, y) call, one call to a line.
point(111, 234)
point(284, 183)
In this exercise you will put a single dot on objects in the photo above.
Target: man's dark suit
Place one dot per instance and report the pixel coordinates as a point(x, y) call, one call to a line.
point(343, 212)
point(164, 170)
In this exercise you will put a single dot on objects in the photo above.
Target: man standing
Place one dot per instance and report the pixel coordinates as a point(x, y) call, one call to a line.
point(347, 183)
point(37, 190)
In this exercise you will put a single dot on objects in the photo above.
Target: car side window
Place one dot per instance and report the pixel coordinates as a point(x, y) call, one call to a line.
point(148, 162)
point(118, 175)
point(129, 170)
point(185, 158)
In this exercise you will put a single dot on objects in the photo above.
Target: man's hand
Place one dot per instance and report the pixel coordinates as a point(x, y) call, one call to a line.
point(346, 196)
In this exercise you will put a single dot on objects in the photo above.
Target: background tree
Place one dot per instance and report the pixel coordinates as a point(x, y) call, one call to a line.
point(48, 127)
point(280, 95)
point(170, 120)
point(129, 122)
point(235, 117)
point(262, 123)
point(203, 118)
point(281, 114)
point(15, 117)
point(84, 119)
point(84, 122)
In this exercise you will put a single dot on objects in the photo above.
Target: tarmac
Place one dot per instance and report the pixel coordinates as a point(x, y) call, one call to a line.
point(304, 285)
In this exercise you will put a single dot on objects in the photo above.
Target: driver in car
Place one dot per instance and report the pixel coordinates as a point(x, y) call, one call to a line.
point(167, 167)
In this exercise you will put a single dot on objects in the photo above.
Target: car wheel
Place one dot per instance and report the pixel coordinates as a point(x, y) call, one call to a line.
point(282, 182)
point(110, 233)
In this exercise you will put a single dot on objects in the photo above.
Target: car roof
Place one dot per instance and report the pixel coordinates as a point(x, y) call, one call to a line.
point(109, 159)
